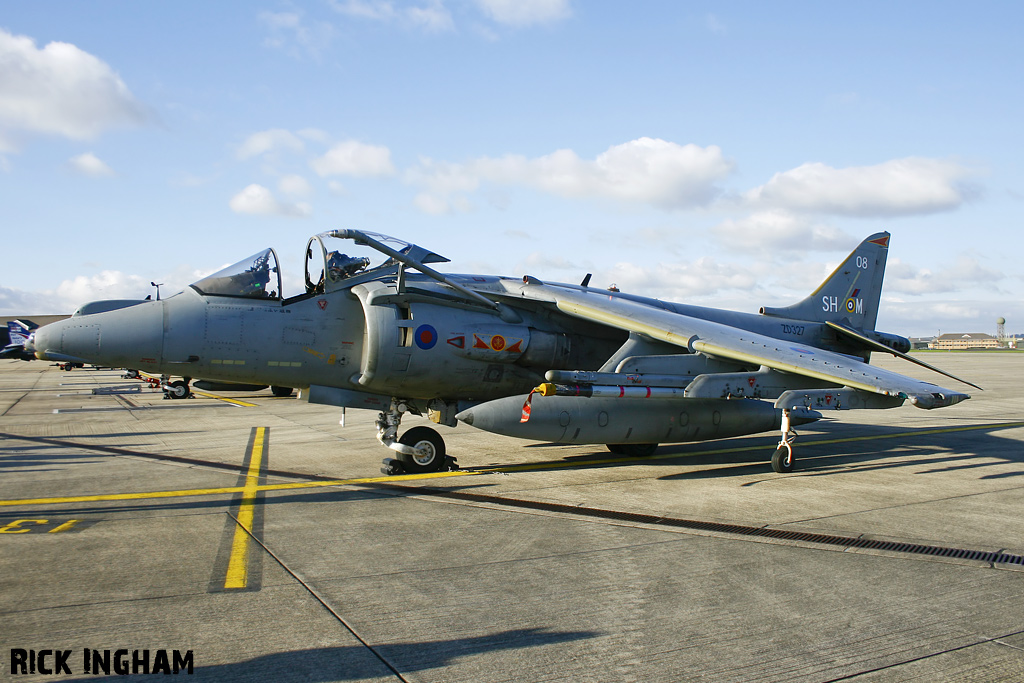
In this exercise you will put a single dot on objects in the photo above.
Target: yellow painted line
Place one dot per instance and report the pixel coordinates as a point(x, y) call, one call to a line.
point(235, 401)
point(185, 493)
point(238, 563)
point(469, 473)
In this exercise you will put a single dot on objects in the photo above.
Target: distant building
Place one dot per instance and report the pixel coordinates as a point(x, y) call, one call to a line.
point(958, 340)
point(921, 342)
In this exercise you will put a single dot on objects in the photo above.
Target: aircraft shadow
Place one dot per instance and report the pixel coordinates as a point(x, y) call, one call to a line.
point(356, 662)
point(955, 447)
point(228, 500)
point(37, 461)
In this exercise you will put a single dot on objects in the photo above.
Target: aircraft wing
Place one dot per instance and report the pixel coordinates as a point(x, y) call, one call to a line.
point(725, 341)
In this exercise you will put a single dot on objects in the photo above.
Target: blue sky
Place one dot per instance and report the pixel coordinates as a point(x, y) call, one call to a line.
point(725, 154)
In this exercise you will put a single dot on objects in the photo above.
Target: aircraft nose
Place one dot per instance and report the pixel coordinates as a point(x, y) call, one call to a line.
point(128, 337)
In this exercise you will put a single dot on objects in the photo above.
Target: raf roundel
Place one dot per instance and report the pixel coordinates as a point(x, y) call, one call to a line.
point(426, 337)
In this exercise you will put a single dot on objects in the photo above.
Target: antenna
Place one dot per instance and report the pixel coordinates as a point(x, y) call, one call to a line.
point(157, 289)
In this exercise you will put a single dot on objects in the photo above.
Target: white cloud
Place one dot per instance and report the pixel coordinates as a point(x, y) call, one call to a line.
point(442, 178)
point(379, 10)
point(268, 142)
point(912, 185)
point(965, 272)
point(356, 159)
point(20, 302)
point(432, 204)
point(777, 230)
point(109, 284)
point(60, 90)
point(544, 262)
point(258, 200)
point(289, 31)
point(295, 185)
point(520, 13)
point(646, 170)
point(928, 318)
point(433, 17)
point(89, 164)
point(315, 135)
point(430, 15)
point(715, 25)
point(680, 281)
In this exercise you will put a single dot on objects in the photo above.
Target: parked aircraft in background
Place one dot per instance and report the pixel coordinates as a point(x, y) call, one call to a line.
point(18, 332)
point(516, 356)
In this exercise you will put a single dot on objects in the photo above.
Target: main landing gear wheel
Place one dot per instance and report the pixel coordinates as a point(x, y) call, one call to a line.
point(281, 392)
point(633, 450)
point(782, 459)
point(430, 442)
point(178, 389)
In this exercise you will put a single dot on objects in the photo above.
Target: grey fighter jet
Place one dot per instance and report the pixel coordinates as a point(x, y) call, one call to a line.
point(515, 356)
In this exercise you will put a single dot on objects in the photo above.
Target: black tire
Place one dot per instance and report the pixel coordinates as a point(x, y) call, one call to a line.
point(178, 389)
point(783, 460)
point(429, 440)
point(281, 392)
point(633, 450)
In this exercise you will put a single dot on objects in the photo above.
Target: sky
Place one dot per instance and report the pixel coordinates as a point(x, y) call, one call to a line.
point(722, 154)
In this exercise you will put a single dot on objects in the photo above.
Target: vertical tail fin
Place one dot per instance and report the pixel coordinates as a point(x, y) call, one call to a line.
point(18, 330)
point(850, 294)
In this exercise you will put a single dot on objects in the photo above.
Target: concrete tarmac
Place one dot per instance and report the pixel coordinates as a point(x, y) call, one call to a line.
point(260, 536)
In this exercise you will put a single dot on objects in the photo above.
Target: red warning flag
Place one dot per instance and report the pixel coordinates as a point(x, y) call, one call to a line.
point(527, 407)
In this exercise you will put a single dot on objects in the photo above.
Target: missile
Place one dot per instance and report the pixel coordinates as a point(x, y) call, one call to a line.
point(614, 420)
point(616, 378)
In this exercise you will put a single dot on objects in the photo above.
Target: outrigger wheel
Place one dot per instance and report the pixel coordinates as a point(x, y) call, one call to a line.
point(782, 458)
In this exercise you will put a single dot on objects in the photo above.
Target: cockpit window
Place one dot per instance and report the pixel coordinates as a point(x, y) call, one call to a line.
point(257, 277)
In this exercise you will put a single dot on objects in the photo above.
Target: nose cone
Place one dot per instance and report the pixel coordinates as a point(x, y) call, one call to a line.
point(128, 337)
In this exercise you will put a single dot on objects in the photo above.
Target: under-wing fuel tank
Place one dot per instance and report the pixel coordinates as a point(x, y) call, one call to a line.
point(579, 420)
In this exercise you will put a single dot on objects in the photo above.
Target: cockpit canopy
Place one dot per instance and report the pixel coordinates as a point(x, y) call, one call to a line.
point(330, 269)
point(257, 277)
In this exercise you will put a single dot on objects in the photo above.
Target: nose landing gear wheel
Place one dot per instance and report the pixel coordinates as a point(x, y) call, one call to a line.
point(432, 445)
point(178, 389)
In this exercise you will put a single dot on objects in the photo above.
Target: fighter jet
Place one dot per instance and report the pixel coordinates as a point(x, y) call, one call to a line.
point(561, 363)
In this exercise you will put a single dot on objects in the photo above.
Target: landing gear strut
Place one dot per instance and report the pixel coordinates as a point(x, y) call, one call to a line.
point(782, 459)
point(421, 449)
